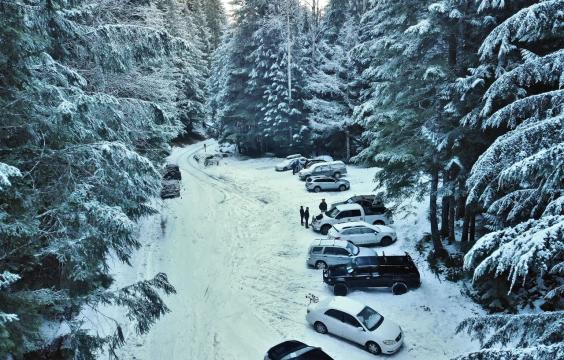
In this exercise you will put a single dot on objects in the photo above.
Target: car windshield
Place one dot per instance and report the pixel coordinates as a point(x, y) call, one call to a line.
point(332, 213)
point(370, 318)
point(353, 249)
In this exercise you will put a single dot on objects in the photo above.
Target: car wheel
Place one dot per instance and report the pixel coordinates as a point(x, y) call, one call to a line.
point(340, 290)
point(337, 175)
point(399, 288)
point(342, 188)
point(320, 265)
point(373, 348)
point(325, 229)
point(379, 222)
point(320, 327)
point(317, 189)
point(386, 240)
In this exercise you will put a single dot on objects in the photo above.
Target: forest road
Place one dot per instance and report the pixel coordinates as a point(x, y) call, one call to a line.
point(207, 237)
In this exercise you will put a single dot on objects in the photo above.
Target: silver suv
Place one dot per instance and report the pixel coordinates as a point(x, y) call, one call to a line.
point(325, 253)
point(332, 168)
point(326, 183)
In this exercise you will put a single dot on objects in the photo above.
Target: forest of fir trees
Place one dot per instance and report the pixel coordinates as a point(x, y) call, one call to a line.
point(92, 92)
point(459, 102)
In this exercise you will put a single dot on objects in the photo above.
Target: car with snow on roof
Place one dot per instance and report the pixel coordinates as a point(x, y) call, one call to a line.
point(355, 322)
point(324, 253)
point(362, 233)
point(373, 205)
point(343, 213)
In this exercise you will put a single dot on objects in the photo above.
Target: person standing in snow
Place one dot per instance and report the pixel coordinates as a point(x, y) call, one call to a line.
point(323, 206)
point(306, 214)
point(294, 167)
point(205, 147)
point(302, 215)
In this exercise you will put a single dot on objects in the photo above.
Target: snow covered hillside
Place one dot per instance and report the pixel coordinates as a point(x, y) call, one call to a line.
point(235, 251)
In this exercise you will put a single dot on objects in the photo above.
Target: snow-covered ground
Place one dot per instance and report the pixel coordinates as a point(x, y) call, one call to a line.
point(233, 247)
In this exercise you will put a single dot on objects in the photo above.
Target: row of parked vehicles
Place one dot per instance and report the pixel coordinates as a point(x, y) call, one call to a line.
point(348, 261)
point(320, 173)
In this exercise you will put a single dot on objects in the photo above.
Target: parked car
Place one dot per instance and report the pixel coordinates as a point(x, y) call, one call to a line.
point(170, 189)
point(343, 214)
point(294, 156)
point(326, 183)
point(310, 162)
point(172, 172)
point(334, 168)
point(396, 272)
point(356, 322)
point(287, 164)
point(317, 160)
point(362, 233)
point(295, 350)
point(212, 159)
point(324, 253)
point(372, 205)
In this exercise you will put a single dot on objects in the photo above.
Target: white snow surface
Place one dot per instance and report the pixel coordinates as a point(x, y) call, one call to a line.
point(233, 247)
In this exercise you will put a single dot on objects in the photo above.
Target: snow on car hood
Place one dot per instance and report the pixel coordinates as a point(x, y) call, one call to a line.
point(388, 330)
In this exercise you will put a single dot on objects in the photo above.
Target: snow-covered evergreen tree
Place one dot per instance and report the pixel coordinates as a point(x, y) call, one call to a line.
point(92, 93)
point(329, 101)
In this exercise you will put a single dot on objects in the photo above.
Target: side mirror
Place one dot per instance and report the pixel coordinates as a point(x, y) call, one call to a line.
point(360, 328)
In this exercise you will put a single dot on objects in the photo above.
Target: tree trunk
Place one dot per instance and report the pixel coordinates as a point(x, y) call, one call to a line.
point(466, 226)
point(472, 227)
point(444, 216)
point(348, 140)
point(451, 214)
point(435, 236)
point(460, 201)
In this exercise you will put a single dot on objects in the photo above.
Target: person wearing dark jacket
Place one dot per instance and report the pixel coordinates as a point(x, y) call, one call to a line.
point(323, 206)
point(302, 215)
point(306, 214)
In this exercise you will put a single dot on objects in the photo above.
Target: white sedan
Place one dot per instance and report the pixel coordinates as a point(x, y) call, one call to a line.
point(356, 322)
point(362, 233)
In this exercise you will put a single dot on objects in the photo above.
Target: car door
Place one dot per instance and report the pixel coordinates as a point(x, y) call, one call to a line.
point(344, 216)
point(370, 236)
point(333, 320)
point(319, 170)
point(354, 236)
point(352, 329)
point(336, 255)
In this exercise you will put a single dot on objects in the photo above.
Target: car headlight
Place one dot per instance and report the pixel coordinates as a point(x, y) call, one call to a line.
point(389, 342)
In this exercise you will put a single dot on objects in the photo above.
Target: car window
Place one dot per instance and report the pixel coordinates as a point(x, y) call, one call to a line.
point(329, 251)
point(317, 250)
point(350, 320)
point(347, 232)
point(341, 251)
point(344, 214)
point(355, 213)
point(367, 231)
point(336, 314)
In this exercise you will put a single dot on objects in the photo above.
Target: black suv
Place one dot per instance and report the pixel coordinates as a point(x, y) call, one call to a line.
point(397, 272)
point(296, 350)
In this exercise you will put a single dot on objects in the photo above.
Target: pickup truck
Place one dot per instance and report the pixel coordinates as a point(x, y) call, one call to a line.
point(396, 272)
point(372, 205)
point(344, 213)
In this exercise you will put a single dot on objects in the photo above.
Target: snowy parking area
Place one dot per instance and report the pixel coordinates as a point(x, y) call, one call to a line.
point(233, 247)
